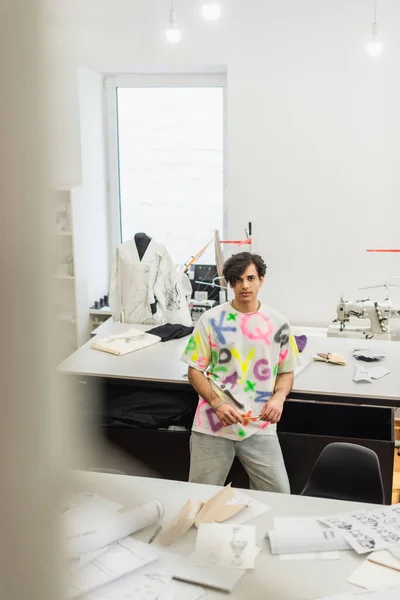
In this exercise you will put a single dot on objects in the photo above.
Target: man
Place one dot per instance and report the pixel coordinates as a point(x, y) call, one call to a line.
point(241, 360)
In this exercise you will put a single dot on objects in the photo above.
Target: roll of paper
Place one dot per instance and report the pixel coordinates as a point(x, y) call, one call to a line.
point(88, 531)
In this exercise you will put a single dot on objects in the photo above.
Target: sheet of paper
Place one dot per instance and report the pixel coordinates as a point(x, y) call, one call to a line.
point(219, 578)
point(125, 344)
point(88, 530)
point(87, 558)
point(121, 558)
point(385, 559)
point(378, 372)
point(217, 508)
point(154, 579)
point(384, 593)
point(147, 586)
point(297, 524)
point(367, 531)
point(179, 590)
point(312, 556)
point(231, 546)
point(303, 364)
point(362, 374)
point(370, 575)
point(324, 540)
point(395, 550)
point(298, 535)
point(88, 501)
point(130, 335)
point(181, 524)
point(253, 508)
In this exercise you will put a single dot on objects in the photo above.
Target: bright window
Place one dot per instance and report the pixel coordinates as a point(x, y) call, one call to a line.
point(170, 164)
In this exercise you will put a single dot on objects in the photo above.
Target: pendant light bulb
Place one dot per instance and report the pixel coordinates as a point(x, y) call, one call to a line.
point(374, 47)
point(211, 11)
point(173, 33)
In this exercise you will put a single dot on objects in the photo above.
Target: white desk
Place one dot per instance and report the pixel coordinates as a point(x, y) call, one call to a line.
point(273, 578)
point(110, 327)
point(318, 411)
point(161, 363)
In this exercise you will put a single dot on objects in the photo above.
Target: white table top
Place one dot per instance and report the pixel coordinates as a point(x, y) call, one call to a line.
point(161, 363)
point(272, 577)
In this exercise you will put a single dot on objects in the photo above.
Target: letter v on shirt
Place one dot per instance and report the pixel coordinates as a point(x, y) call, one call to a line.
point(244, 364)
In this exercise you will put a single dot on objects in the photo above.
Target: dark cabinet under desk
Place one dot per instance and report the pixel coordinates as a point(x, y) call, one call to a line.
point(307, 427)
point(304, 430)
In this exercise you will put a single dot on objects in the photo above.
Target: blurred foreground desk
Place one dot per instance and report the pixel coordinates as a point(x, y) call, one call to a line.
point(272, 577)
point(324, 406)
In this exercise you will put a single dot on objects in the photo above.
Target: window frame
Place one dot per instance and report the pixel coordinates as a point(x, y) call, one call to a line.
point(140, 80)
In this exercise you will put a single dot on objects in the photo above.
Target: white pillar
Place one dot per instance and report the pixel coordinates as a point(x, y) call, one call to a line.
point(30, 469)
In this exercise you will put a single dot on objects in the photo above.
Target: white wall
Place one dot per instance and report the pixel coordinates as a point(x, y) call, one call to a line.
point(90, 209)
point(313, 127)
point(94, 182)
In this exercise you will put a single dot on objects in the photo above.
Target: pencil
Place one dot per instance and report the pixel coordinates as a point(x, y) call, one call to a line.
point(155, 534)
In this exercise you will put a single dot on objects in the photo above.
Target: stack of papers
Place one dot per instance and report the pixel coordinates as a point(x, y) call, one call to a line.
point(107, 566)
point(97, 540)
point(305, 536)
point(367, 531)
point(127, 342)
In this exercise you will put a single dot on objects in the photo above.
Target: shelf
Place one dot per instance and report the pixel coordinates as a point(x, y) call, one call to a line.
point(64, 277)
point(100, 311)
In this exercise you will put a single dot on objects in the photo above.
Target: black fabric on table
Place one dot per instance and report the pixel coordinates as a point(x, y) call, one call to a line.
point(171, 332)
point(150, 409)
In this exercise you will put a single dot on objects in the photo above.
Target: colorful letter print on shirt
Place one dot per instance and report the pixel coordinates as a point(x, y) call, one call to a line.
point(243, 354)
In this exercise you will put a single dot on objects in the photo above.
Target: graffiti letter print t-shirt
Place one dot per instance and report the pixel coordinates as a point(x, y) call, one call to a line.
point(243, 353)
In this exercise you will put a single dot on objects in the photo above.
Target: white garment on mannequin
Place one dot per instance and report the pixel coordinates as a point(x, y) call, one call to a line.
point(136, 284)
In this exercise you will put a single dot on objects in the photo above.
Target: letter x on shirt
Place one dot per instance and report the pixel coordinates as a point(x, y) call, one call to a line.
point(242, 353)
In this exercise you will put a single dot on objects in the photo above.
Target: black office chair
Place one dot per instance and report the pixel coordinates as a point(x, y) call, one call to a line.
point(346, 472)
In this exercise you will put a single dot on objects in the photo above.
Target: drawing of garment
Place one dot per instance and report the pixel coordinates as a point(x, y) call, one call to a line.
point(136, 285)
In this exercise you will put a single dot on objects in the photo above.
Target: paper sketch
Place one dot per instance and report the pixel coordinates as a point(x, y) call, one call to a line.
point(368, 530)
point(231, 546)
point(121, 558)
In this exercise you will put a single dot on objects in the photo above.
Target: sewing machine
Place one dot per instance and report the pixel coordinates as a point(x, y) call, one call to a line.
point(373, 319)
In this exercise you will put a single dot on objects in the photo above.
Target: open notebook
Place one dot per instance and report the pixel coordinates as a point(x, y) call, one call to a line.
point(380, 569)
point(331, 358)
point(125, 343)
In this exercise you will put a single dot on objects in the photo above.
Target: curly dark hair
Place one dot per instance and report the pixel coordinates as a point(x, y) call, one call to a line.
point(236, 265)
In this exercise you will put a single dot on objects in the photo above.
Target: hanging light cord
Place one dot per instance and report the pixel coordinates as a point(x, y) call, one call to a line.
point(376, 2)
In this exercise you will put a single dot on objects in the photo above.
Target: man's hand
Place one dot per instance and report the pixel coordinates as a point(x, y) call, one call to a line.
point(272, 410)
point(228, 415)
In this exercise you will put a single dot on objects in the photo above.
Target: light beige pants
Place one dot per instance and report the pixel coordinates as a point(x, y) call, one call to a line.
point(211, 458)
